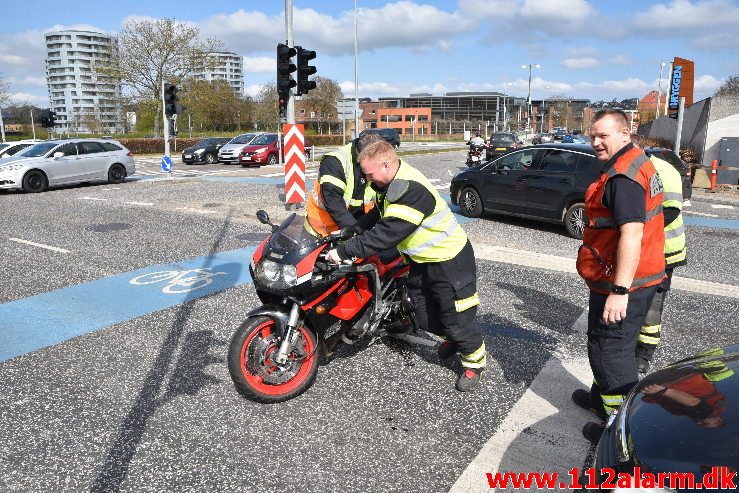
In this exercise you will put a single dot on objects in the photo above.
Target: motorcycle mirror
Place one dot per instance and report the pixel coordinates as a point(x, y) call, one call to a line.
point(263, 217)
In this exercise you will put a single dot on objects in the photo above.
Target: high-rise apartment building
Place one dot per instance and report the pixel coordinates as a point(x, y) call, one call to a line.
point(84, 99)
point(226, 66)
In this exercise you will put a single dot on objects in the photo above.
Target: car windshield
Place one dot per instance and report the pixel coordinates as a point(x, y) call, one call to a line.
point(501, 139)
point(242, 139)
point(264, 139)
point(38, 149)
point(292, 235)
point(204, 143)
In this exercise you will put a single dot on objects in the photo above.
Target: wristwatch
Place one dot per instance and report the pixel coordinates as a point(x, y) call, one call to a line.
point(616, 289)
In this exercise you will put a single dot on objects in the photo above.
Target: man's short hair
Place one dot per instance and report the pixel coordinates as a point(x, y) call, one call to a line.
point(376, 148)
point(366, 139)
point(617, 115)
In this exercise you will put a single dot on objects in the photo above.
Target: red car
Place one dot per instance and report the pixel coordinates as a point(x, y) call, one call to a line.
point(262, 150)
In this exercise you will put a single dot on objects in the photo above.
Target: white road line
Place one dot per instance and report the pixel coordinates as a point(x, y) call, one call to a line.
point(539, 425)
point(700, 214)
point(433, 179)
point(26, 242)
point(199, 211)
point(108, 189)
point(271, 175)
point(443, 186)
point(139, 203)
point(565, 264)
point(92, 198)
point(722, 206)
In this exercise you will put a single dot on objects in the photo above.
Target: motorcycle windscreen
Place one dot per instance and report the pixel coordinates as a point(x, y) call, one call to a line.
point(292, 235)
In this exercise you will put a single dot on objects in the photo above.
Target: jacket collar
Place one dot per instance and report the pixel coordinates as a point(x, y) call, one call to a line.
point(615, 157)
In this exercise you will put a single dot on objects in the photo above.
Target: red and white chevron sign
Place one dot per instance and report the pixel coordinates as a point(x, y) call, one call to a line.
point(294, 153)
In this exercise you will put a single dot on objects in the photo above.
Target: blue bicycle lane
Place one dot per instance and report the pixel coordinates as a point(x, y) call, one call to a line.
point(45, 319)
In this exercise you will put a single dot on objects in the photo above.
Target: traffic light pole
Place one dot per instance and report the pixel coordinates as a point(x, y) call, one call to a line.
point(290, 113)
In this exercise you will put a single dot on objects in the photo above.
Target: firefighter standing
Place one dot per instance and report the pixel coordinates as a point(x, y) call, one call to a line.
point(675, 255)
point(341, 193)
point(411, 215)
point(621, 260)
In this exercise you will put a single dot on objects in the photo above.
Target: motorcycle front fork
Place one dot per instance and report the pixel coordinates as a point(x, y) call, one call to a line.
point(291, 335)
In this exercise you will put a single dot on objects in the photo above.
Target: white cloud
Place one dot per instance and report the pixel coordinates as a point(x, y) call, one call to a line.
point(372, 89)
point(9, 59)
point(580, 63)
point(620, 60)
point(24, 97)
point(557, 10)
point(253, 90)
point(435, 89)
point(683, 14)
point(259, 64)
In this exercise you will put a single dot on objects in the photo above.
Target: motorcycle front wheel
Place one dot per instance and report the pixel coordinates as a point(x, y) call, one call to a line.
point(254, 372)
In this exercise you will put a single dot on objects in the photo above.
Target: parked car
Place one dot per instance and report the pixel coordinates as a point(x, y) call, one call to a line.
point(229, 153)
point(64, 162)
point(500, 143)
point(574, 139)
point(205, 151)
point(8, 149)
point(542, 139)
point(262, 150)
point(389, 134)
point(674, 159)
point(546, 183)
point(681, 419)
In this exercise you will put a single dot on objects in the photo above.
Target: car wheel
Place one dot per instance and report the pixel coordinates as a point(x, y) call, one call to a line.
point(209, 158)
point(34, 181)
point(116, 174)
point(272, 159)
point(470, 202)
point(575, 220)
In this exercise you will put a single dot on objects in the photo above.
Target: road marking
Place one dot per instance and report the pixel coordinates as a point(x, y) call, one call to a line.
point(443, 186)
point(108, 189)
point(432, 180)
point(199, 211)
point(565, 264)
point(40, 245)
point(139, 203)
point(92, 198)
point(706, 214)
point(539, 424)
point(722, 206)
point(49, 318)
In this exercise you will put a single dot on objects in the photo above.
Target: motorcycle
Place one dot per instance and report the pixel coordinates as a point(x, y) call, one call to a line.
point(309, 306)
point(474, 156)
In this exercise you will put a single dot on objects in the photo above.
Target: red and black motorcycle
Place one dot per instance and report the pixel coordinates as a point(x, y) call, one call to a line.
point(308, 305)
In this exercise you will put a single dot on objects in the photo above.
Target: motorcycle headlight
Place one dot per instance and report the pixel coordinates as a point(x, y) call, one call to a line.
point(290, 274)
point(271, 270)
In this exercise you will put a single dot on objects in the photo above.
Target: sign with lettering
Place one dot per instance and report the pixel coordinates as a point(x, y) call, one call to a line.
point(681, 84)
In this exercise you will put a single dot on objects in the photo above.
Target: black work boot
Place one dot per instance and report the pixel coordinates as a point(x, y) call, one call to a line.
point(469, 379)
point(446, 349)
point(593, 431)
point(584, 399)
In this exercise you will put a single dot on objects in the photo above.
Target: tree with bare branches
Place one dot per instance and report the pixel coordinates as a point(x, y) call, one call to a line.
point(151, 51)
point(323, 99)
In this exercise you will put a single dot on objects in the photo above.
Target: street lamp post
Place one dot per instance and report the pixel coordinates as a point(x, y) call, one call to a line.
point(659, 87)
point(528, 101)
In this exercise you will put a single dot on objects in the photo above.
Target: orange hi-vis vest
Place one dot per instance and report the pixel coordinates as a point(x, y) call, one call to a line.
point(596, 258)
point(318, 221)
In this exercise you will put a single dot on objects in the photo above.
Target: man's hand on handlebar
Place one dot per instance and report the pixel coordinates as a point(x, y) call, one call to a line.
point(333, 257)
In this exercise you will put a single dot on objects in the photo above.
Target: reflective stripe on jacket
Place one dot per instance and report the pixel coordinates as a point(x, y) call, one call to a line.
point(318, 220)
point(596, 258)
point(675, 248)
point(438, 236)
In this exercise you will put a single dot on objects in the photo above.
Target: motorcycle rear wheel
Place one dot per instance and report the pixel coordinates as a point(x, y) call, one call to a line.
point(256, 376)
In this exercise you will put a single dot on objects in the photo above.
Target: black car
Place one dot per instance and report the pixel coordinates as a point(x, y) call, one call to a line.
point(547, 183)
point(205, 151)
point(500, 143)
point(682, 419)
point(389, 134)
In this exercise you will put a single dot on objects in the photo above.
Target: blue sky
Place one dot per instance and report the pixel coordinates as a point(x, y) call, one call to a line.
point(586, 49)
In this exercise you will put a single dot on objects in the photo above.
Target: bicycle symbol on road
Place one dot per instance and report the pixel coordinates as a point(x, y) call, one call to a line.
point(178, 281)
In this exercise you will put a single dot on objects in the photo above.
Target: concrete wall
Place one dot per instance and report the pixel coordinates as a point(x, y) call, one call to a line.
point(704, 124)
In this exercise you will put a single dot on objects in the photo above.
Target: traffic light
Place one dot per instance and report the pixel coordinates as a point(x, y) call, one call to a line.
point(170, 99)
point(305, 70)
point(285, 82)
point(47, 119)
point(52, 119)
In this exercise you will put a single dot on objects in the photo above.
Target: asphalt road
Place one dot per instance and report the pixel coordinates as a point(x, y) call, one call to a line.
point(110, 384)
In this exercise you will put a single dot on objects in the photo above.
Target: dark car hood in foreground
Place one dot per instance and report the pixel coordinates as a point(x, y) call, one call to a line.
point(665, 435)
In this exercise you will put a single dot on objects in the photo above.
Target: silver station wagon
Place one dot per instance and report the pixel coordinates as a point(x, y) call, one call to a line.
point(65, 162)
